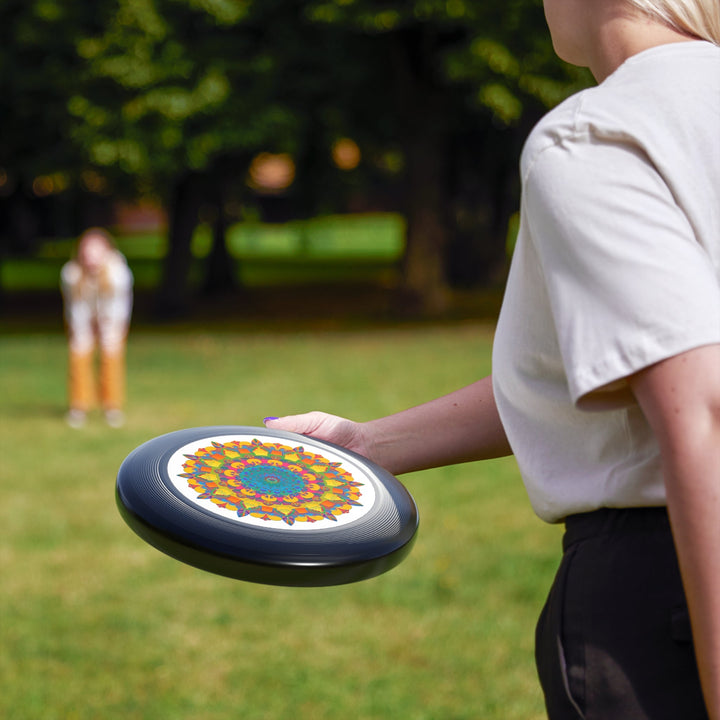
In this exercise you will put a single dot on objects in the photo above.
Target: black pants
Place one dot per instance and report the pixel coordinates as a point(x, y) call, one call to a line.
point(613, 641)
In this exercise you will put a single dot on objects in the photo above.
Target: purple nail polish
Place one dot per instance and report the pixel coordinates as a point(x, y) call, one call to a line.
point(269, 418)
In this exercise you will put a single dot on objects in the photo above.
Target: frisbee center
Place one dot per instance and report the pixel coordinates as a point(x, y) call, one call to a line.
point(275, 481)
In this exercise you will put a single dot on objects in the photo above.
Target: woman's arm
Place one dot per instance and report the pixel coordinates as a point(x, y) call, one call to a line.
point(681, 400)
point(459, 427)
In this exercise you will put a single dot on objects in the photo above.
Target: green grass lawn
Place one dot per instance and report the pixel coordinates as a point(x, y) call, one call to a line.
point(96, 624)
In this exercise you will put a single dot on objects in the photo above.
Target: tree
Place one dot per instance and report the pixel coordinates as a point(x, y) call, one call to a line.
point(183, 94)
point(461, 72)
point(175, 98)
point(38, 69)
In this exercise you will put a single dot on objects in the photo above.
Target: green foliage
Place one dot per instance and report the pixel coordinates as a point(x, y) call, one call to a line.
point(38, 69)
point(499, 53)
point(174, 98)
point(190, 81)
point(154, 87)
point(96, 624)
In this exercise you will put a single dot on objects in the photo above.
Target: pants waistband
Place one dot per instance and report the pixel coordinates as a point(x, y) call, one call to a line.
point(608, 521)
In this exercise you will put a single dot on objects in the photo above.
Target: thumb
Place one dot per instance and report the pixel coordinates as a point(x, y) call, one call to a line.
point(304, 424)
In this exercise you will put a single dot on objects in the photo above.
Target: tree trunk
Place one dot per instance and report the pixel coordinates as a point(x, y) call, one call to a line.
point(175, 296)
point(485, 194)
point(424, 276)
point(220, 267)
point(425, 148)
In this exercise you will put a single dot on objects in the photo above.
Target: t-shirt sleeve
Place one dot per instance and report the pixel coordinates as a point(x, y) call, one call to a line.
point(629, 282)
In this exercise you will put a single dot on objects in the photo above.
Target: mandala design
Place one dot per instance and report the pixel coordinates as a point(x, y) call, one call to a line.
point(271, 482)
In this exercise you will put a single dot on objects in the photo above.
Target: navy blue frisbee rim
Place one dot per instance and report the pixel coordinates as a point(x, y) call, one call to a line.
point(158, 513)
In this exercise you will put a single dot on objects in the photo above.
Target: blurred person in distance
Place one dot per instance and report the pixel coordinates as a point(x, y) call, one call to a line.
point(97, 295)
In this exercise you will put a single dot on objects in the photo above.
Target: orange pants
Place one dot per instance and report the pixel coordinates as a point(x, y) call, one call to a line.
point(84, 392)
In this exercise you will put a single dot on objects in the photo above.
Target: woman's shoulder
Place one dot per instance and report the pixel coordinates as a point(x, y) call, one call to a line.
point(596, 114)
point(649, 102)
point(554, 128)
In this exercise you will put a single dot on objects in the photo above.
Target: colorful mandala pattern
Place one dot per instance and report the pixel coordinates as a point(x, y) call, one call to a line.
point(271, 482)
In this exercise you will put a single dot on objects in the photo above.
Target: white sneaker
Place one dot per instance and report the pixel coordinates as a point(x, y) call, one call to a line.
point(75, 418)
point(115, 418)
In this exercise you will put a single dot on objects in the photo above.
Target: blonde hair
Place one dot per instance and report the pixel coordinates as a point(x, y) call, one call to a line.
point(699, 18)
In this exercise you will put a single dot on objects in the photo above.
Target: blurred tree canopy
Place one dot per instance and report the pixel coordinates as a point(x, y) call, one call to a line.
point(174, 99)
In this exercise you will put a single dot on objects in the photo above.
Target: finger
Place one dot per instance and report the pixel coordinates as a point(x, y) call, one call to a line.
point(302, 424)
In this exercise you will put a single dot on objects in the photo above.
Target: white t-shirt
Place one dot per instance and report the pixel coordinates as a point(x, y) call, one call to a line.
point(97, 307)
point(617, 266)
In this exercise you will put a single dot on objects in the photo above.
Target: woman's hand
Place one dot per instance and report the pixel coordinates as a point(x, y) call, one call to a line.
point(323, 426)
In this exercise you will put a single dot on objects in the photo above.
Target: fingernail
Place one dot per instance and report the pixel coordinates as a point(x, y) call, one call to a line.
point(269, 418)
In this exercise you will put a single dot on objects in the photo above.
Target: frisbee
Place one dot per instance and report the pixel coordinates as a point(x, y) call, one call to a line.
point(266, 506)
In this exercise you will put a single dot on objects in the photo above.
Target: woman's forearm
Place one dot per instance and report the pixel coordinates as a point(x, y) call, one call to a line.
point(459, 427)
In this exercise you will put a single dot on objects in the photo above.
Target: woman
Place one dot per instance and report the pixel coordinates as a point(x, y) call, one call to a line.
point(97, 294)
point(606, 365)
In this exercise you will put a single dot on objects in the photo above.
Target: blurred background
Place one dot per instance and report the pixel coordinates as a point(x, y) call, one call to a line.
point(232, 145)
point(317, 200)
